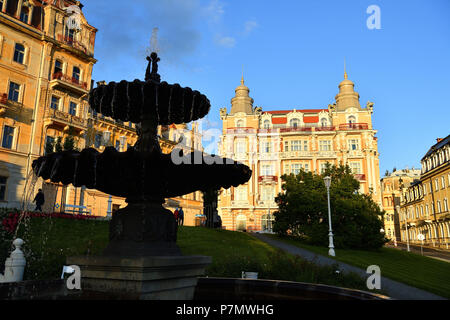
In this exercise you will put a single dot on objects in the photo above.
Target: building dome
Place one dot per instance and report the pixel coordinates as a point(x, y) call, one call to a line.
point(242, 102)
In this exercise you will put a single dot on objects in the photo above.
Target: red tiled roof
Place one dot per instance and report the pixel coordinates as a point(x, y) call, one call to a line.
point(300, 110)
point(279, 120)
point(311, 119)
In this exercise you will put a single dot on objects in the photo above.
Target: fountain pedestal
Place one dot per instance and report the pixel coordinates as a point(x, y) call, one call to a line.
point(140, 278)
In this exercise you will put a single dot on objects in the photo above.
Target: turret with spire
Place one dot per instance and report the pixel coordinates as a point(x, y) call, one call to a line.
point(347, 96)
point(242, 102)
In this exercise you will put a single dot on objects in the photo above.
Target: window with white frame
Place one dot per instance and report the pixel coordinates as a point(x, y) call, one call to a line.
point(240, 146)
point(295, 168)
point(240, 123)
point(296, 145)
point(266, 147)
point(266, 124)
point(355, 167)
point(324, 122)
point(305, 145)
point(19, 53)
point(426, 210)
point(14, 91)
point(286, 146)
point(267, 170)
point(54, 104)
point(325, 145)
point(442, 182)
point(445, 205)
point(287, 169)
point(8, 137)
point(438, 206)
point(323, 167)
point(241, 193)
point(267, 193)
point(353, 144)
point(436, 184)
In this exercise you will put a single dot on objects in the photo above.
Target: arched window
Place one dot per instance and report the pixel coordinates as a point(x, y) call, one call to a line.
point(352, 119)
point(324, 122)
point(266, 124)
point(294, 123)
point(239, 123)
point(241, 222)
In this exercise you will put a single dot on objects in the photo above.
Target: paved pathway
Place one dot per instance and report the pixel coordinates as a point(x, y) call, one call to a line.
point(394, 289)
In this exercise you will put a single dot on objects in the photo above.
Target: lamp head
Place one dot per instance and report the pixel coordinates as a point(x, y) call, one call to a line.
point(327, 181)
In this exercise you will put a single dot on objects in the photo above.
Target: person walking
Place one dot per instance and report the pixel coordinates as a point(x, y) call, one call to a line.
point(180, 217)
point(176, 214)
point(39, 199)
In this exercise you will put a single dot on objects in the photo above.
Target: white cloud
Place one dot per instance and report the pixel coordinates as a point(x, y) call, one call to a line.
point(214, 11)
point(227, 42)
point(249, 26)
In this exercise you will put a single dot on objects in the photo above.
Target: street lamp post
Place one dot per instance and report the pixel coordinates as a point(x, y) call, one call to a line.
point(331, 252)
point(400, 181)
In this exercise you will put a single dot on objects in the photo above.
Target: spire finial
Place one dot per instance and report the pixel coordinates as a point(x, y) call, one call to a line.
point(345, 71)
point(242, 79)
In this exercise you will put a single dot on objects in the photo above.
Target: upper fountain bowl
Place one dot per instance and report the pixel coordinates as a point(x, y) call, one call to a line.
point(164, 103)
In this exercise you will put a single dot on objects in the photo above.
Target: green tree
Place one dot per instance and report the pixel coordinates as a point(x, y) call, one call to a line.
point(58, 146)
point(49, 146)
point(69, 141)
point(303, 210)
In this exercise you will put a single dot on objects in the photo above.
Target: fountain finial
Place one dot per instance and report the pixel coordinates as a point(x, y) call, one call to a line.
point(153, 60)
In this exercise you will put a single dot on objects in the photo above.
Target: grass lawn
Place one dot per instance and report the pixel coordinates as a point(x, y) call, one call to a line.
point(48, 241)
point(416, 270)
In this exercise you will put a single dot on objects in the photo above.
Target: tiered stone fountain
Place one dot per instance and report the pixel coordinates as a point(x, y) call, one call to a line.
point(142, 260)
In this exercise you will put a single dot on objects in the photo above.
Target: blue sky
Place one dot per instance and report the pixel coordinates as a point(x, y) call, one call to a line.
point(292, 53)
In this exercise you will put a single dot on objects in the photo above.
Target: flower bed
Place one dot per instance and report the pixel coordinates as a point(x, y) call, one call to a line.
point(12, 219)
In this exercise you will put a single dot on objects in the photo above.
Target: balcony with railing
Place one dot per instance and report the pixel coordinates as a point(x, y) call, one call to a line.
point(353, 126)
point(267, 179)
point(295, 129)
point(360, 177)
point(71, 42)
point(6, 104)
point(63, 119)
point(241, 130)
point(74, 84)
point(325, 128)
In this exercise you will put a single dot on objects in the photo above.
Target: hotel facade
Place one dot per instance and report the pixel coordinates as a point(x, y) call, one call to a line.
point(273, 143)
point(46, 63)
point(424, 207)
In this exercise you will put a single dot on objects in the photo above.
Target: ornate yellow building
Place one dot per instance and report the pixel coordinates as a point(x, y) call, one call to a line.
point(46, 62)
point(45, 76)
point(273, 143)
point(391, 193)
point(425, 203)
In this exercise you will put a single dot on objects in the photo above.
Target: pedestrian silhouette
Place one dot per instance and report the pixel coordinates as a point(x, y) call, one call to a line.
point(39, 199)
point(180, 217)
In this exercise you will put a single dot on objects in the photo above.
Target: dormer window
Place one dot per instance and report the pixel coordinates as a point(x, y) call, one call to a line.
point(324, 122)
point(266, 124)
point(294, 123)
point(352, 119)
